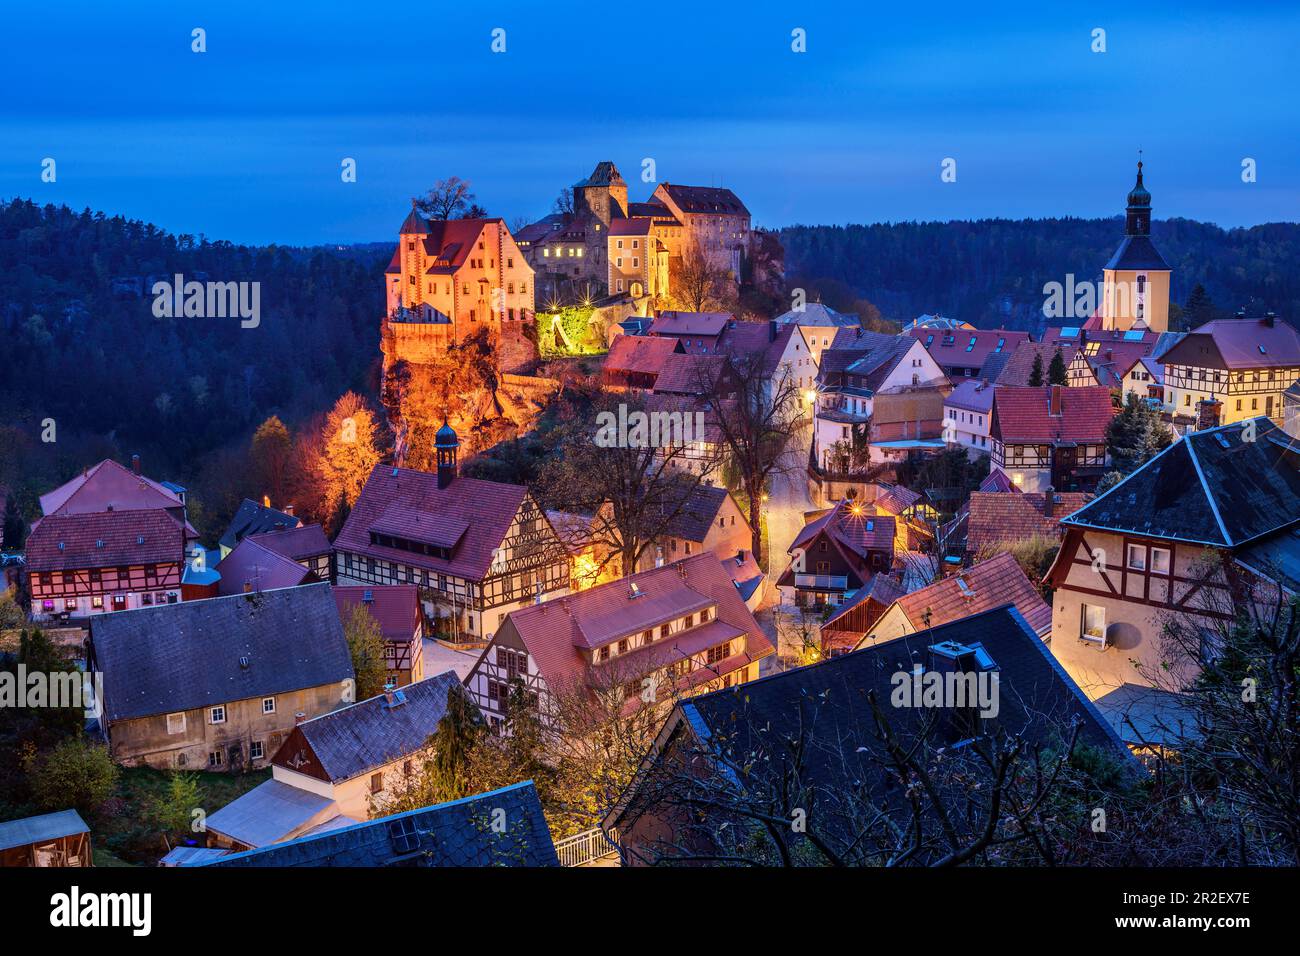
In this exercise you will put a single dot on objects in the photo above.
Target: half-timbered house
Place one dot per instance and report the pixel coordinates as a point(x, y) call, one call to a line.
point(1167, 540)
point(476, 549)
point(396, 609)
point(1051, 436)
point(839, 552)
point(684, 627)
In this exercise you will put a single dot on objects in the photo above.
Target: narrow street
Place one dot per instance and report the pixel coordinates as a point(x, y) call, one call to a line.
point(787, 503)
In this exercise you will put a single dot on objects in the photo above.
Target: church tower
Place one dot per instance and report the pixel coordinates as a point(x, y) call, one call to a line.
point(1135, 290)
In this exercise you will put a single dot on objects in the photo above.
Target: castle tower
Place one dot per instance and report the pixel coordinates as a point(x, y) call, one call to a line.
point(411, 252)
point(602, 195)
point(445, 445)
point(1135, 289)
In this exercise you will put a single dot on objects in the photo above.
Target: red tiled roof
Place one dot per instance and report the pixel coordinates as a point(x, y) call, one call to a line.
point(998, 517)
point(1023, 415)
point(967, 348)
point(108, 483)
point(859, 533)
point(642, 354)
point(689, 374)
point(989, 584)
point(757, 340)
point(1021, 364)
point(105, 539)
point(395, 606)
point(249, 562)
point(297, 544)
point(487, 506)
point(635, 226)
point(555, 632)
point(705, 200)
point(895, 499)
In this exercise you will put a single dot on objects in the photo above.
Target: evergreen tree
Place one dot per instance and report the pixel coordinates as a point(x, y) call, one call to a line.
point(1056, 370)
point(459, 732)
point(1199, 307)
point(1136, 435)
point(15, 528)
point(1036, 373)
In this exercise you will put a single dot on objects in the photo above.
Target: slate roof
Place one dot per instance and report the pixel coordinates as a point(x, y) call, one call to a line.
point(643, 354)
point(487, 507)
point(1209, 487)
point(966, 348)
point(1237, 344)
point(396, 607)
point(818, 315)
point(108, 539)
point(173, 657)
point(975, 395)
point(763, 342)
point(997, 517)
point(265, 814)
point(108, 484)
point(41, 829)
point(459, 833)
point(859, 534)
point(884, 589)
point(895, 499)
point(263, 569)
point(705, 200)
point(825, 704)
point(879, 363)
point(1023, 415)
point(253, 517)
point(989, 584)
point(297, 544)
point(698, 513)
point(555, 632)
point(1137, 253)
point(372, 733)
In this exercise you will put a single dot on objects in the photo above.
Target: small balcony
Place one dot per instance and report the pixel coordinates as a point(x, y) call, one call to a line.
point(822, 582)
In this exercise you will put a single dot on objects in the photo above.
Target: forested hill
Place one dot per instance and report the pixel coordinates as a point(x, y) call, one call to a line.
point(992, 271)
point(79, 343)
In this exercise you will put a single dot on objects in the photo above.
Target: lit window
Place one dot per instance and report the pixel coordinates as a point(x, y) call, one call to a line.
point(1137, 557)
point(1160, 561)
point(1094, 622)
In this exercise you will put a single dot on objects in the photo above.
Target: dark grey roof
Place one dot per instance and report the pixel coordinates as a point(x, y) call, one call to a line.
point(698, 513)
point(270, 812)
point(48, 826)
point(1135, 253)
point(1211, 487)
point(255, 518)
point(994, 365)
point(175, 657)
point(371, 733)
point(460, 833)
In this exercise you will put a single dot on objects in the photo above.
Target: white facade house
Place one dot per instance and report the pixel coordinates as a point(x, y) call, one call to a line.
point(966, 414)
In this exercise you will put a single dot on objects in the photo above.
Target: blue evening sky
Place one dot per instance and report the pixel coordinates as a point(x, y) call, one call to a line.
point(244, 142)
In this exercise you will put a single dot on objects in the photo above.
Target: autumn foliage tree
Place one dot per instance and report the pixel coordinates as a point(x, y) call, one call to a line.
point(366, 645)
point(348, 452)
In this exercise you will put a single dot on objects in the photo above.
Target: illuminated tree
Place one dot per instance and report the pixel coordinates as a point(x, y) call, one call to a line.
point(449, 198)
point(366, 644)
point(348, 451)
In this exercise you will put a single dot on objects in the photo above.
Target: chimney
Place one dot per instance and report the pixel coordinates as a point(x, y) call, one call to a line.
point(288, 509)
point(1110, 355)
point(1054, 400)
point(135, 463)
point(266, 501)
point(248, 587)
point(740, 557)
point(1241, 313)
point(1209, 413)
point(389, 697)
point(771, 330)
point(1049, 502)
point(298, 718)
point(1270, 319)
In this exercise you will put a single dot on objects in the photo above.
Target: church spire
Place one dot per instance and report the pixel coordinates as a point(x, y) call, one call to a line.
point(1138, 222)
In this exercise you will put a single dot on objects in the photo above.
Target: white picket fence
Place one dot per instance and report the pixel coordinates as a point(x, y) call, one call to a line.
point(583, 849)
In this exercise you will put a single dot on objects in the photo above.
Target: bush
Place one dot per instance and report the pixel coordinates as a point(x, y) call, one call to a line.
point(77, 774)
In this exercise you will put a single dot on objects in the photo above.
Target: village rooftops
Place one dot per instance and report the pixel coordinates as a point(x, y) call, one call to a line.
point(556, 633)
point(851, 527)
point(1238, 344)
point(404, 504)
point(680, 324)
point(45, 828)
point(636, 226)
point(297, 544)
point(690, 374)
point(175, 657)
point(966, 347)
point(255, 518)
point(109, 486)
point(369, 734)
point(63, 541)
point(1210, 487)
point(395, 607)
point(459, 833)
point(640, 354)
point(973, 395)
point(996, 517)
point(981, 587)
point(698, 513)
point(1051, 414)
point(252, 566)
point(817, 315)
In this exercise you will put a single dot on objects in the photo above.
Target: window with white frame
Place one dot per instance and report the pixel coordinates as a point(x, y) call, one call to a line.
point(256, 750)
point(1094, 623)
point(176, 723)
point(268, 705)
point(1160, 561)
point(217, 715)
point(1137, 557)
